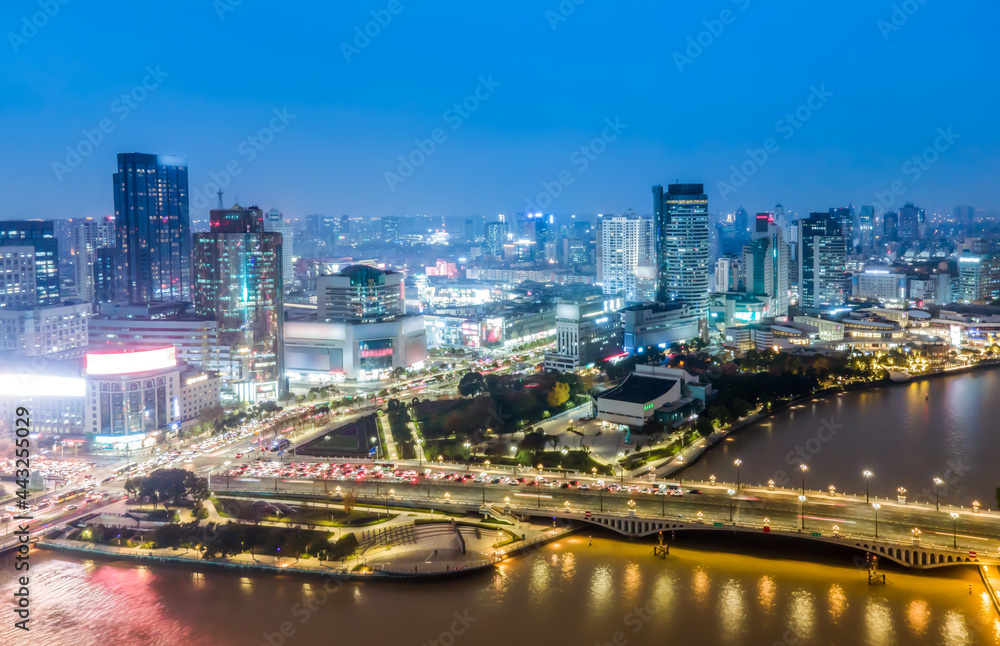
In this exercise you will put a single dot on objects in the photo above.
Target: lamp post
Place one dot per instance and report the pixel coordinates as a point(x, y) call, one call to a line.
point(954, 530)
point(975, 506)
point(868, 476)
point(833, 490)
point(804, 468)
point(731, 492)
point(802, 513)
point(737, 462)
point(876, 507)
point(937, 493)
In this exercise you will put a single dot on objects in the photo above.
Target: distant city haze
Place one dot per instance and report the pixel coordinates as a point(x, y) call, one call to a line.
point(574, 107)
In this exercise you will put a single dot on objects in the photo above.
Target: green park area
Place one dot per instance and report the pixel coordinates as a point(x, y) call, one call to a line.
point(353, 440)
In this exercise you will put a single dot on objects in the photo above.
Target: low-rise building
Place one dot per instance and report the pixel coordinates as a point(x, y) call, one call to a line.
point(670, 395)
point(658, 324)
point(37, 331)
point(588, 330)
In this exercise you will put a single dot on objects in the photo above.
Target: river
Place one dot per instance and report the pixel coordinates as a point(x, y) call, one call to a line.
point(565, 593)
point(905, 434)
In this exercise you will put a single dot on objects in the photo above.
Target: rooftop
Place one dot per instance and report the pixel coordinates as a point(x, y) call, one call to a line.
point(639, 390)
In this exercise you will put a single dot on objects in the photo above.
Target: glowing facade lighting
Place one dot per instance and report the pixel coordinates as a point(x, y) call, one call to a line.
point(124, 363)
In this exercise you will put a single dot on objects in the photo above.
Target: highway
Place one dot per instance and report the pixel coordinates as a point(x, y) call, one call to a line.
point(780, 509)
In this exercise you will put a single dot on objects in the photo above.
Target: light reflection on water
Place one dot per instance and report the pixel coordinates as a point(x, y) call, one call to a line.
point(573, 594)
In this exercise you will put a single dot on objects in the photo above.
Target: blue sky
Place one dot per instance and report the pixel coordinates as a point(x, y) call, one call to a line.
point(216, 72)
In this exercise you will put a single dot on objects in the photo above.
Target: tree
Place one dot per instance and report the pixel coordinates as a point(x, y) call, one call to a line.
point(533, 442)
point(704, 427)
point(348, 501)
point(559, 394)
point(172, 485)
point(471, 384)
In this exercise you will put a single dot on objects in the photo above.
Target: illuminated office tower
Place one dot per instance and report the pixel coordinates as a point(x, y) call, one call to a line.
point(39, 236)
point(682, 240)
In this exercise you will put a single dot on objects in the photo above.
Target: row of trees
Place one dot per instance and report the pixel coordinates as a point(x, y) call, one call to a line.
point(177, 487)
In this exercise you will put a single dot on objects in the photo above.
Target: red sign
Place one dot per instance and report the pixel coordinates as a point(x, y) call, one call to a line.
point(767, 529)
point(972, 554)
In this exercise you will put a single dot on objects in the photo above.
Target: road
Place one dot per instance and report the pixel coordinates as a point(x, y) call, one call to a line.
point(780, 509)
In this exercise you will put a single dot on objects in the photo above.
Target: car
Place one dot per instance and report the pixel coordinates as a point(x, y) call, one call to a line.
point(694, 491)
point(72, 507)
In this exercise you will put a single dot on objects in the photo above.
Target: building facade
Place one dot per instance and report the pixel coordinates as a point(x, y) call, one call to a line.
point(152, 229)
point(626, 255)
point(588, 330)
point(38, 331)
point(40, 236)
point(682, 246)
point(238, 282)
point(822, 254)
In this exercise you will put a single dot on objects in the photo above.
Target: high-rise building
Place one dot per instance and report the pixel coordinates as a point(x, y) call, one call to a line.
point(152, 228)
point(743, 224)
point(104, 275)
point(470, 231)
point(496, 238)
point(910, 219)
point(890, 225)
point(766, 263)
point(588, 330)
point(37, 331)
point(390, 228)
point(727, 273)
point(275, 221)
point(845, 215)
point(866, 229)
point(89, 236)
point(978, 277)
point(965, 214)
point(682, 253)
point(822, 253)
point(625, 243)
point(18, 287)
point(40, 236)
point(238, 282)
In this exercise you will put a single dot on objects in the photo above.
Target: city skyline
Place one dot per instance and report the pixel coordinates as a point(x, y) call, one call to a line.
point(552, 140)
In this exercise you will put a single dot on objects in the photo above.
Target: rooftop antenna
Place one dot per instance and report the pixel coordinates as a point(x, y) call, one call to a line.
point(219, 193)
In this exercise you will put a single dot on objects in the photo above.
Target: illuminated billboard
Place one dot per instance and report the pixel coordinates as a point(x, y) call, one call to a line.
point(493, 331)
point(32, 385)
point(124, 363)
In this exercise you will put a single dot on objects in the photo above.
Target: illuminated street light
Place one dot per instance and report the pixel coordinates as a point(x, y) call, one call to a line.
point(737, 462)
point(711, 479)
point(802, 513)
point(833, 490)
point(975, 506)
point(804, 468)
point(731, 492)
point(954, 530)
point(876, 507)
point(937, 493)
point(868, 476)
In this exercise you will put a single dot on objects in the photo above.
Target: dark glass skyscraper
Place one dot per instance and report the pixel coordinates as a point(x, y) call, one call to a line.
point(682, 254)
point(822, 257)
point(238, 282)
point(39, 234)
point(153, 236)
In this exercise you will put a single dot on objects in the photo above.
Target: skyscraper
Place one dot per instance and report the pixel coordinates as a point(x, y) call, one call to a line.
point(89, 236)
point(496, 238)
point(682, 254)
point(275, 221)
point(845, 215)
point(766, 262)
point(866, 229)
point(910, 219)
point(822, 255)
point(40, 236)
point(238, 282)
point(152, 228)
point(626, 249)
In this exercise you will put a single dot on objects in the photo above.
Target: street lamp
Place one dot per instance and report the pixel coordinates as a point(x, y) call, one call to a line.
point(631, 507)
point(802, 513)
point(876, 507)
point(737, 462)
point(868, 475)
point(731, 492)
point(711, 479)
point(937, 494)
point(975, 506)
point(954, 530)
point(804, 469)
point(833, 490)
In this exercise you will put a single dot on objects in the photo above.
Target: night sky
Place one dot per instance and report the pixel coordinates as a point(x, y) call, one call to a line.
point(882, 85)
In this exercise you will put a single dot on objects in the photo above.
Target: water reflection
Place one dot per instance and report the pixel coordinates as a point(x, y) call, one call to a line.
point(732, 610)
point(765, 593)
point(879, 628)
point(837, 602)
point(601, 589)
point(917, 616)
point(802, 614)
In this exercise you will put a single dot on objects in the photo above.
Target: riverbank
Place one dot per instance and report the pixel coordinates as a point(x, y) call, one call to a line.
point(286, 565)
point(677, 464)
